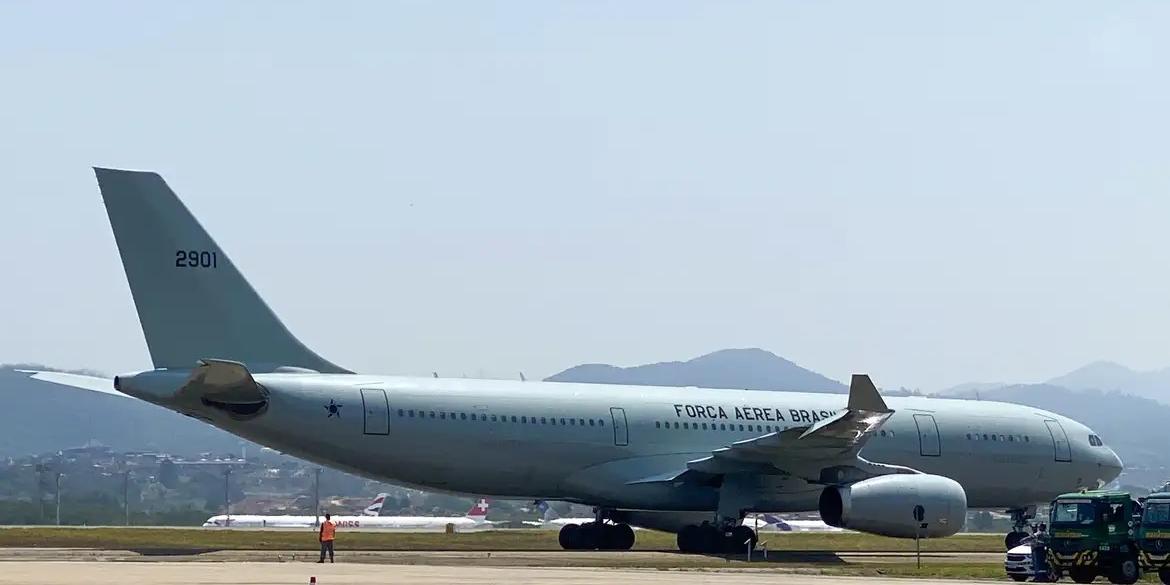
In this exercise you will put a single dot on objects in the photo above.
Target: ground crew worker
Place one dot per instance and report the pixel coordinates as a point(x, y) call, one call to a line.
point(1040, 555)
point(328, 531)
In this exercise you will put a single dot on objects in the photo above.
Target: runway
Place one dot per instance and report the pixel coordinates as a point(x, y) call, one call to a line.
point(248, 573)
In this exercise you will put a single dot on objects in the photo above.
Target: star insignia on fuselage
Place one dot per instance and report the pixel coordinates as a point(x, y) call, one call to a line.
point(334, 409)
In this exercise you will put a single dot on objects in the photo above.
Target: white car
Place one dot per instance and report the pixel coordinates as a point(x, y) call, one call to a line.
point(1018, 563)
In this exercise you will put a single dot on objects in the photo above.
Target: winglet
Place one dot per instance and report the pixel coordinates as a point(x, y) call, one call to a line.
point(863, 395)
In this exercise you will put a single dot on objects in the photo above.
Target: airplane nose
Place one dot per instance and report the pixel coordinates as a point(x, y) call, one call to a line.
point(1111, 464)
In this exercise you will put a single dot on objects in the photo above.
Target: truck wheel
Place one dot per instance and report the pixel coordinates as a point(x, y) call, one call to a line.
point(1164, 575)
point(1018, 578)
point(1082, 575)
point(1126, 572)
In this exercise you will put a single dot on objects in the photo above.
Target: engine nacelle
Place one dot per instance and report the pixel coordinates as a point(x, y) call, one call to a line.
point(902, 506)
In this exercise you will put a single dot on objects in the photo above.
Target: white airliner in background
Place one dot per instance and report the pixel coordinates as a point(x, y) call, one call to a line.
point(550, 519)
point(774, 523)
point(371, 519)
point(690, 460)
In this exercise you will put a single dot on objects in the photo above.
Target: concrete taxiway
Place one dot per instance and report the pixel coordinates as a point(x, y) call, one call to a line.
point(179, 573)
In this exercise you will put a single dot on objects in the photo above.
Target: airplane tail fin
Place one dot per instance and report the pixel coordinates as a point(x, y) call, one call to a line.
point(375, 507)
point(192, 301)
point(479, 511)
point(547, 514)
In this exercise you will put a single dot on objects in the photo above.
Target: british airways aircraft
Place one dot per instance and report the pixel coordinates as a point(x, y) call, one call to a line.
point(690, 460)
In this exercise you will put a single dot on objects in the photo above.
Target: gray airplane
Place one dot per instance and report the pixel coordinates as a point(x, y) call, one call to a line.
point(690, 460)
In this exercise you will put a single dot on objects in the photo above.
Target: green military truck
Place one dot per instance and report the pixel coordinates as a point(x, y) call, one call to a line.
point(1094, 533)
point(1153, 534)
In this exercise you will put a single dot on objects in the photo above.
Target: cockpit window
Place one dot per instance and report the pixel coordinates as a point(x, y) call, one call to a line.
point(1095, 441)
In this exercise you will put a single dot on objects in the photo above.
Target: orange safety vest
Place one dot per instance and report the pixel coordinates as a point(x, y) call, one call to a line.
point(327, 531)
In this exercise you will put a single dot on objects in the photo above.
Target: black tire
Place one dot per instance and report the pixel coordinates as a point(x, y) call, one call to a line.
point(1125, 572)
point(708, 539)
point(688, 539)
point(621, 537)
point(1164, 576)
point(1018, 578)
point(591, 536)
point(1013, 539)
point(568, 537)
point(1083, 575)
point(739, 536)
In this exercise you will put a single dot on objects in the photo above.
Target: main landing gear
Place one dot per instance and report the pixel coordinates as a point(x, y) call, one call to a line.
point(1020, 518)
point(707, 538)
point(596, 536)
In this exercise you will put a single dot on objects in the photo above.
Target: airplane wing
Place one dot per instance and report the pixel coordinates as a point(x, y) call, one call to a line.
point(825, 452)
point(91, 383)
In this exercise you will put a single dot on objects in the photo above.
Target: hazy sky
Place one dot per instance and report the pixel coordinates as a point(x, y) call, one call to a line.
point(933, 192)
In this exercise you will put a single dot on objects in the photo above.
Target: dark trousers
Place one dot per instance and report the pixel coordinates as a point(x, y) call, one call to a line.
point(326, 546)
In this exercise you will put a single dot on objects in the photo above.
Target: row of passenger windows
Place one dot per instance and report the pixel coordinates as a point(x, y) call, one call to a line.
point(995, 437)
point(503, 418)
point(716, 427)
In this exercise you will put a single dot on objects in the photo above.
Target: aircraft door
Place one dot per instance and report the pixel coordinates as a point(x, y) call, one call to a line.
point(376, 410)
point(928, 440)
point(1059, 441)
point(621, 436)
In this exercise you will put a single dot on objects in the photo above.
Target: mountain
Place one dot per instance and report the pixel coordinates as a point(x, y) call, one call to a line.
point(1110, 376)
point(747, 369)
point(39, 417)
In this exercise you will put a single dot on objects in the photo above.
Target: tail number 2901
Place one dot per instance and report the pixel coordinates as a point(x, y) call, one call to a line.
point(196, 259)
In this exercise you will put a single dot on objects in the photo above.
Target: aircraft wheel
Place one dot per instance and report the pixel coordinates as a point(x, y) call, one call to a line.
point(1164, 576)
point(1083, 575)
point(619, 537)
point(688, 539)
point(1014, 538)
point(569, 537)
point(710, 539)
point(740, 536)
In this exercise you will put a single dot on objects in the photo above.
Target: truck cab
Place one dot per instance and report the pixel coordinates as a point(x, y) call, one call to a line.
point(1094, 533)
point(1153, 535)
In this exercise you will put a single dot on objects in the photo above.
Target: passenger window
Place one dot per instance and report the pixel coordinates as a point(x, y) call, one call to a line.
point(1011, 438)
point(968, 436)
point(443, 415)
point(410, 413)
point(493, 418)
point(882, 433)
point(601, 422)
point(523, 419)
point(401, 413)
point(994, 437)
point(657, 424)
point(984, 436)
point(1026, 440)
point(543, 420)
point(704, 426)
point(562, 422)
point(483, 418)
point(573, 422)
point(513, 418)
point(722, 427)
point(741, 428)
point(581, 421)
point(452, 416)
point(432, 414)
point(676, 425)
point(552, 421)
point(686, 426)
point(592, 423)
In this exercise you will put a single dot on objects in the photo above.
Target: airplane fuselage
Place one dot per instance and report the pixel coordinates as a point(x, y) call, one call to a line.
point(616, 446)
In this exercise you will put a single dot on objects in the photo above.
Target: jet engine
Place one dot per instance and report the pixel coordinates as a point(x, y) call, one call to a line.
point(902, 506)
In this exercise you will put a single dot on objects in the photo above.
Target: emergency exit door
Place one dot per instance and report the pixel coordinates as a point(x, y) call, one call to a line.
point(928, 442)
point(1059, 441)
point(621, 436)
point(376, 409)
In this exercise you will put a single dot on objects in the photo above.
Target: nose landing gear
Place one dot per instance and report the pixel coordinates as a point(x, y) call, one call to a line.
point(1020, 518)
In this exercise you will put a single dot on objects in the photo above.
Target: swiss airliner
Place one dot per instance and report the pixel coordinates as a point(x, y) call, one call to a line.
point(691, 460)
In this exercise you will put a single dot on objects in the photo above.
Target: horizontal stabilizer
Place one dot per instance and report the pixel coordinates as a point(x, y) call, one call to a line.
point(91, 383)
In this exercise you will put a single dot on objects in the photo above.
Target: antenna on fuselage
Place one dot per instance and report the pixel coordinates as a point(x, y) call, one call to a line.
point(434, 374)
point(522, 378)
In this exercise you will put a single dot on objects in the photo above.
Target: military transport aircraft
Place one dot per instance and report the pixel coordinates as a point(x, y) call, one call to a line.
point(690, 460)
